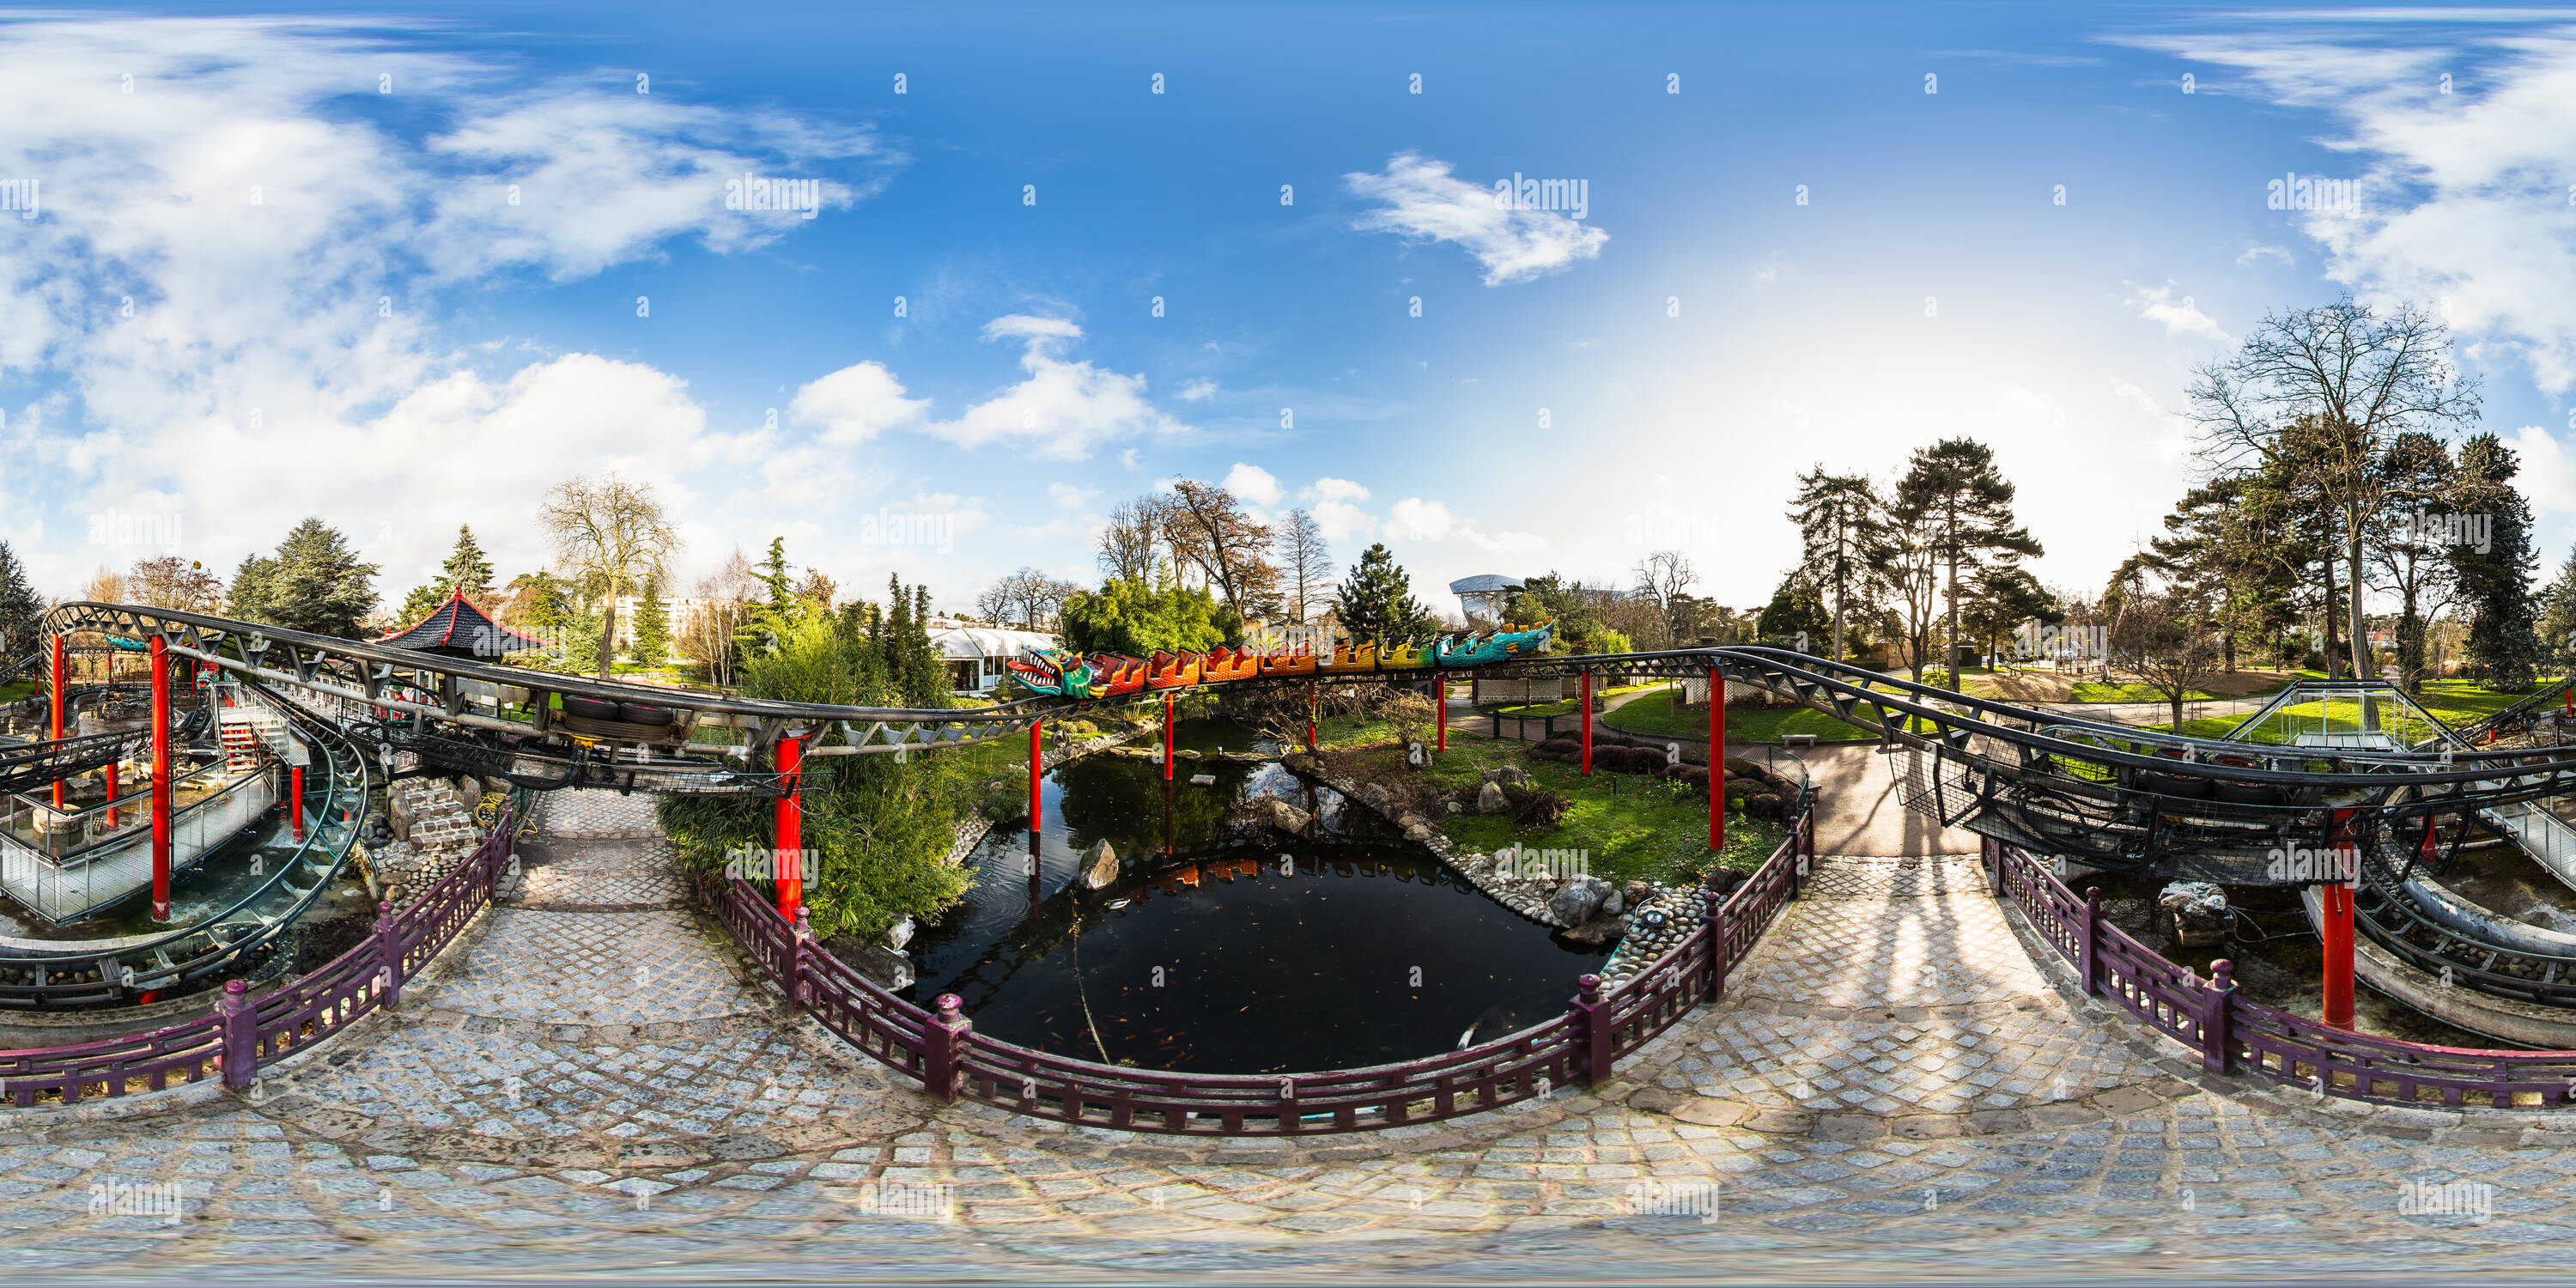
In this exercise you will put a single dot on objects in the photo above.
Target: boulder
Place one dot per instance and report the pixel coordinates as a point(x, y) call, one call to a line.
point(1577, 901)
point(1598, 930)
point(1636, 893)
point(1281, 816)
point(900, 933)
point(1490, 800)
point(1099, 866)
point(1421, 833)
point(1509, 775)
point(1614, 903)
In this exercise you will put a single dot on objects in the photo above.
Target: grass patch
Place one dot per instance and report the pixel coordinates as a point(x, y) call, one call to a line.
point(1629, 826)
point(1656, 716)
point(17, 689)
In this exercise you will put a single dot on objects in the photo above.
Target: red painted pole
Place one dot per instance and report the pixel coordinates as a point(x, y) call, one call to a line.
point(160, 779)
point(111, 795)
point(1037, 758)
point(2338, 955)
point(58, 711)
point(1440, 701)
point(787, 850)
point(295, 798)
point(1310, 717)
point(1716, 760)
point(1586, 717)
point(1167, 737)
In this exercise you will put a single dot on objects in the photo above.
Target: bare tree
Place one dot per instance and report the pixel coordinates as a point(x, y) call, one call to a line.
point(2167, 639)
point(105, 587)
point(2343, 382)
point(1664, 577)
point(612, 534)
point(724, 603)
point(1127, 544)
point(167, 581)
point(1208, 529)
point(1305, 566)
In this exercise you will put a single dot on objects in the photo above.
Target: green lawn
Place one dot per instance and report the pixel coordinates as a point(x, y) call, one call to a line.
point(16, 689)
point(2096, 691)
point(1628, 826)
point(1654, 715)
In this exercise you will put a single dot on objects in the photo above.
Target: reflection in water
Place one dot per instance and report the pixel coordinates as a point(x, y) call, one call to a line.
point(1332, 953)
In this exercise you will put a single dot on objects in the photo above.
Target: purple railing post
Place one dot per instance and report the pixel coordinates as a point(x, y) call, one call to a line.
point(241, 1034)
point(2085, 934)
point(792, 971)
point(1713, 915)
point(1592, 1016)
point(2217, 1047)
point(944, 1040)
point(389, 966)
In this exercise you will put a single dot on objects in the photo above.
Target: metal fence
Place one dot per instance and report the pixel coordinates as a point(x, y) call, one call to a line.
point(940, 1049)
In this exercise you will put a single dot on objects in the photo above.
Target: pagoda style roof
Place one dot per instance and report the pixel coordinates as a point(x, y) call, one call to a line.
point(459, 629)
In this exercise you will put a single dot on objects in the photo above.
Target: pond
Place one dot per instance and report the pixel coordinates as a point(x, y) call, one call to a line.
point(1350, 948)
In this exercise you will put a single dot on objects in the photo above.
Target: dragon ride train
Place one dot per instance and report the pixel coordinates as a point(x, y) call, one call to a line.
point(1111, 675)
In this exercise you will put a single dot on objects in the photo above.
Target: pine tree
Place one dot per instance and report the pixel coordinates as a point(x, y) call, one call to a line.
point(420, 603)
point(21, 609)
point(1954, 499)
point(2495, 573)
point(467, 570)
point(314, 583)
point(1376, 602)
point(652, 625)
point(768, 620)
point(2558, 617)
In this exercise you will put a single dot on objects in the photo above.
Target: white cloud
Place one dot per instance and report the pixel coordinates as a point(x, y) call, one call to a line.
point(2259, 253)
point(1198, 390)
point(2180, 316)
point(855, 404)
point(1063, 410)
point(1333, 489)
point(1253, 484)
point(2454, 186)
point(1071, 497)
point(1422, 520)
point(2548, 473)
point(1341, 521)
point(1424, 202)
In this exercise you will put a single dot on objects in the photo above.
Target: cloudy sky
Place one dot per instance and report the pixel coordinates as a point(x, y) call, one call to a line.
point(407, 274)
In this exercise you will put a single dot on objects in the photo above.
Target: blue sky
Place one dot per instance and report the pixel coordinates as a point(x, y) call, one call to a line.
point(337, 310)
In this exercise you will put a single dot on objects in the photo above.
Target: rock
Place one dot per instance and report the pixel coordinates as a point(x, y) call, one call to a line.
point(1475, 865)
point(1636, 893)
point(1414, 755)
point(1281, 816)
point(1490, 800)
point(1421, 833)
point(1454, 807)
point(900, 933)
point(1614, 903)
point(1577, 901)
point(1725, 880)
point(1509, 775)
point(1598, 930)
point(1298, 762)
point(883, 967)
point(2200, 912)
point(1099, 866)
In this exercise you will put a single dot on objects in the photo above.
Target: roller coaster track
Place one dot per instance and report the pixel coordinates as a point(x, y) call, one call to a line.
point(95, 973)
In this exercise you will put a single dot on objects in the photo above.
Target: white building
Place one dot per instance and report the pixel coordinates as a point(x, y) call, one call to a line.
point(977, 656)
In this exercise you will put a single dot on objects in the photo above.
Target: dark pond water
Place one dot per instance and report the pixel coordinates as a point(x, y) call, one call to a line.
point(1356, 948)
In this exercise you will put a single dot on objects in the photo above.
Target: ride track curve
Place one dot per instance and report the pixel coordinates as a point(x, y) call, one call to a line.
point(2101, 794)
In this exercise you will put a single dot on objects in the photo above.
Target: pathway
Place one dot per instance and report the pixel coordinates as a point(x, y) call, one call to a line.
point(1894, 1085)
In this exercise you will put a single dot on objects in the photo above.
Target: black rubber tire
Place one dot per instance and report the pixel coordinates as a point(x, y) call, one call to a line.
point(636, 713)
point(589, 708)
point(2181, 786)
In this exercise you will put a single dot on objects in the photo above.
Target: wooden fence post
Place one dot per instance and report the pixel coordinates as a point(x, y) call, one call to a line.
point(1592, 1019)
point(241, 1035)
point(2086, 934)
point(944, 1043)
point(1714, 916)
point(2217, 1048)
point(800, 941)
point(389, 966)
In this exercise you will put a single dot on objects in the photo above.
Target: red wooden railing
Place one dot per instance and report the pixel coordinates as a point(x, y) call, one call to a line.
point(950, 1060)
point(244, 1031)
point(2233, 1033)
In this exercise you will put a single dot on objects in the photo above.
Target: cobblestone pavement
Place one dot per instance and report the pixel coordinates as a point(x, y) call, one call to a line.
point(1829, 1118)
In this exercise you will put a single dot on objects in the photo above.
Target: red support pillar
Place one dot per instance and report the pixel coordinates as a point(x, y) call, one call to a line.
point(111, 795)
point(1586, 717)
point(57, 700)
point(787, 848)
point(160, 778)
point(1716, 760)
point(1310, 717)
point(1167, 737)
point(1037, 763)
point(294, 798)
point(2338, 955)
point(1440, 703)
